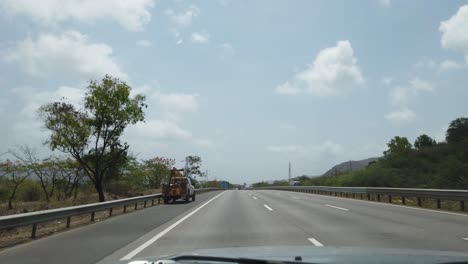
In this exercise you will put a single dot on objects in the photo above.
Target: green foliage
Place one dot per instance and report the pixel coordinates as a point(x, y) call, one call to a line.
point(281, 183)
point(157, 169)
point(424, 141)
point(457, 131)
point(193, 166)
point(260, 184)
point(430, 165)
point(398, 146)
point(93, 135)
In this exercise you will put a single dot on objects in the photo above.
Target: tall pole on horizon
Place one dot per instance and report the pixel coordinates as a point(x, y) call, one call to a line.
point(289, 177)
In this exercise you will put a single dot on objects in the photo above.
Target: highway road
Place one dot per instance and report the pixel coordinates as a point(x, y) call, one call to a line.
point(250, 218)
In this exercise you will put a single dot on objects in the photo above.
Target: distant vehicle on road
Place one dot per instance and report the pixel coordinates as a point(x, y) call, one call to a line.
point(295, 183)
point(176, 187)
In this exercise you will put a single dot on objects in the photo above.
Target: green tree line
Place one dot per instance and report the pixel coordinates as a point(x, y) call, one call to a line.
point(424, 164)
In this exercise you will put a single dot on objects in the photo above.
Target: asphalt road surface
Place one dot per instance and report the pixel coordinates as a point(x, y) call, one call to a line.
point(250, 218)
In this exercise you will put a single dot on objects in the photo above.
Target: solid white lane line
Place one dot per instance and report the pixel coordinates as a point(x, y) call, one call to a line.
point(268, 207)
point(336, 207)
point(383, 204)
point(294, 197)
point(315, 242)
point(165, 231)
point(255, 198)
point(465, 238)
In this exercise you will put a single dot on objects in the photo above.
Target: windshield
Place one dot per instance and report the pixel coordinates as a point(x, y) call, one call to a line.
point(253, 129)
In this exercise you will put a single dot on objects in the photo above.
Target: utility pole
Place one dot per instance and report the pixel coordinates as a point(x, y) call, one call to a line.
point(289, 177)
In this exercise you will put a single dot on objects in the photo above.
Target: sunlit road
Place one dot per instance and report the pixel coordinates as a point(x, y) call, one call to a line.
point(250, 218)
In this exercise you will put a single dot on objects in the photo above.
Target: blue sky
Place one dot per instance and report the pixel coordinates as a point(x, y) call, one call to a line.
point(247, 85)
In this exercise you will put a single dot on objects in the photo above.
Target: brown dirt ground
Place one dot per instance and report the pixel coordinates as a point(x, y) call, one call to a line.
point(14, 236)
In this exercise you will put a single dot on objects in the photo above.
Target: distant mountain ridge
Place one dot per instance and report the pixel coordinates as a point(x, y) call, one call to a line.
point(348, 166)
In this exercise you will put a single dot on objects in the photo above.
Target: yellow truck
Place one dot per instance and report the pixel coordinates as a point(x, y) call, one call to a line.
point(177, 186)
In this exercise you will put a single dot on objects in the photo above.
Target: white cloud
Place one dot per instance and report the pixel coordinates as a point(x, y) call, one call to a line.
point(68, 53)
point(144, 43)
point(228, 49)
point(402, 116)
point(385, 3)
point(417, 85)
point(455, 32)
point(175, 32)
point(130, 14)
point(333, 72)
point(287, 88)
point(26, 126)
point(159, 130)
point(200, 37)
point(183, 18)
point(425, 63)
point(177, 102)
point(401, 95)
point(448, 65)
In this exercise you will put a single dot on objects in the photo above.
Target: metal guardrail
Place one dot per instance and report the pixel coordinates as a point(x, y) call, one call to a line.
point(372, 192)
point(35, 218)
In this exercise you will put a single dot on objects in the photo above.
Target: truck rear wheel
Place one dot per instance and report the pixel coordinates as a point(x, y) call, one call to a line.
point(166, 200)
point(187, 198)
point(193, 197)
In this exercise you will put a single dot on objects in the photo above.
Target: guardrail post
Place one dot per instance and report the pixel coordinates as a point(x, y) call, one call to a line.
point(33, 232)
point(419, 201)
point(403, 200)
point(136, 205)
point(462, 205)
point(144, 204)
point(152, 202)
point(68, 221)
point(362, 196)
point(368, 197)
point(354, 196)
point(125, 209)
point(92, 217)
point(390, 199)
point(438, 203)
point(378, 197)
point(159, 200)
point(110, 212)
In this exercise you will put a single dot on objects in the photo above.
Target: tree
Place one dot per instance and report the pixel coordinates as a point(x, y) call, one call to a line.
point(193, 166)
point(92, 135)
point(424, 141)
point(15, 173)
point(45, 170)
point(398, 145)
point(157, 169)
point(457, 131)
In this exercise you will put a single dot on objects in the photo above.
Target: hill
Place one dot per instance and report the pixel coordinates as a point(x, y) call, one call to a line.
point(349, 166)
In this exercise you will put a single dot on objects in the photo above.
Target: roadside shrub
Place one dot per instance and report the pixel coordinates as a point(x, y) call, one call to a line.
point(29, 191)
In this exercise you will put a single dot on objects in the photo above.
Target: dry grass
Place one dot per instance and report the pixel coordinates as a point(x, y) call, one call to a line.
point(14, 236)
